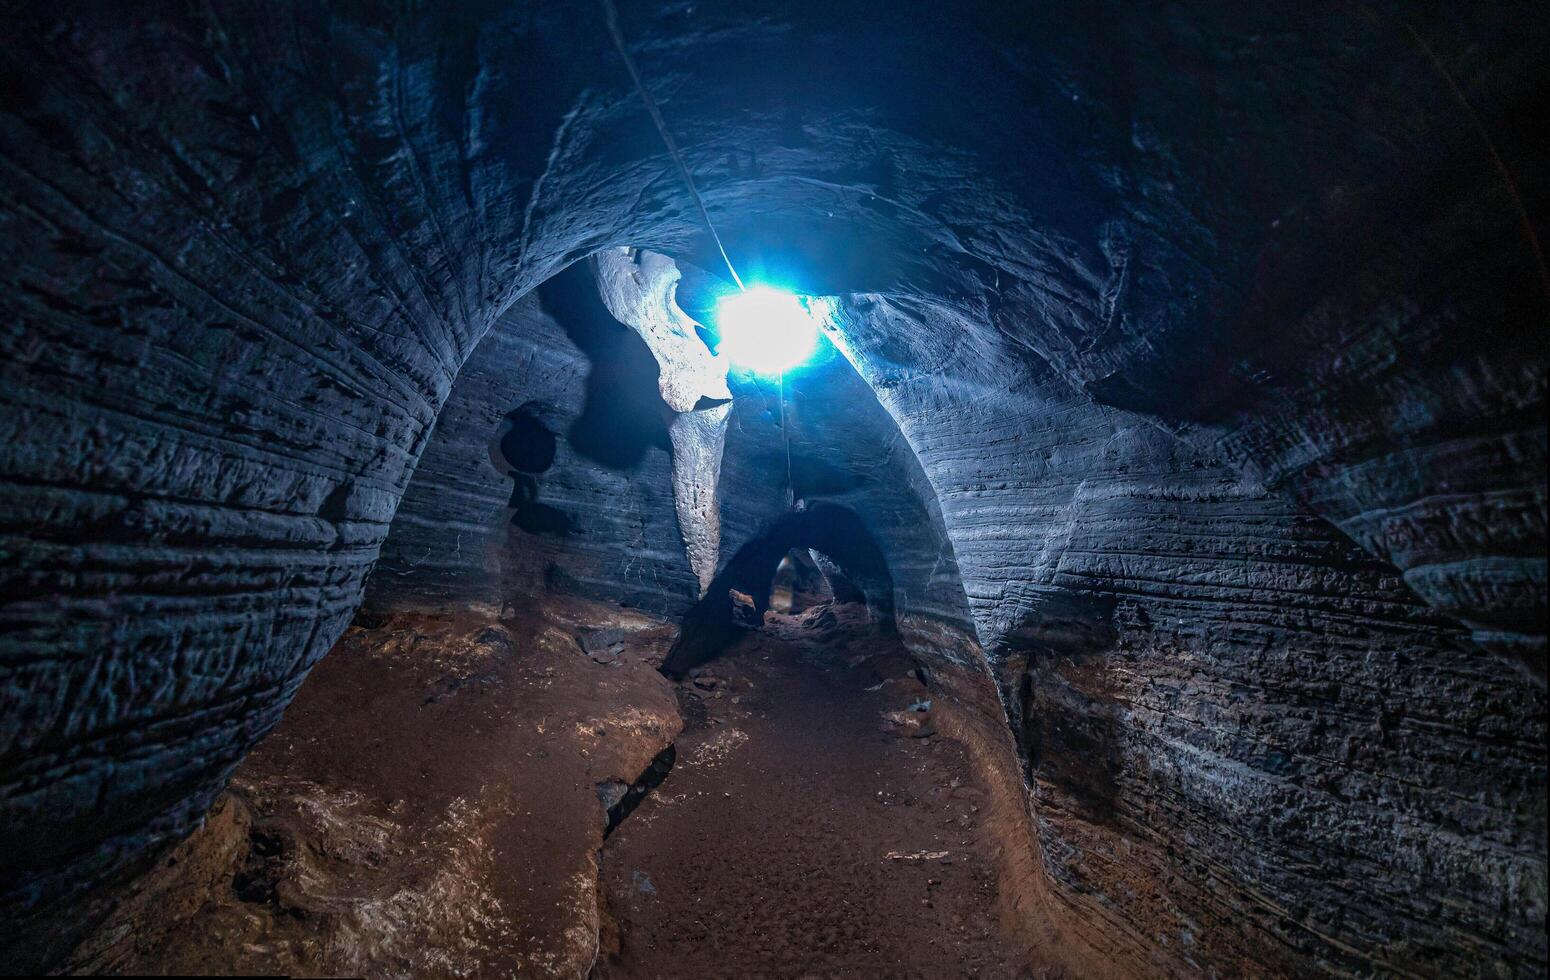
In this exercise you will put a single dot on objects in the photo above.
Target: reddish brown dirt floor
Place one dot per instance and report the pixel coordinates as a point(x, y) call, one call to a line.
point(434, 805)
point(802, 833)
point(428, 808)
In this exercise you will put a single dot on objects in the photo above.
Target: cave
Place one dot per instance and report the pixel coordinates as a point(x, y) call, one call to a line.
point(800, 583)
point(584, 489)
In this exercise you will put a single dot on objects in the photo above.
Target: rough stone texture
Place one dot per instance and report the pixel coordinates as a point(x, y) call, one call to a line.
point(1253, 727)
point(844, 450)
point(597, 520)
point(246, 251)
point(1224, 705)
point(699, 445)
point(639, 288)
point(1374, 352)
point(446, 824)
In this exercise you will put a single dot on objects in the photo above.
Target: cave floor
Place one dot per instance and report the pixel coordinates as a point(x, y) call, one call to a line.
point(813, 826)
point(434, 804)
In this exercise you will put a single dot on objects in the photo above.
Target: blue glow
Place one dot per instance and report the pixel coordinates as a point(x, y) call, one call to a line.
point(766, 330)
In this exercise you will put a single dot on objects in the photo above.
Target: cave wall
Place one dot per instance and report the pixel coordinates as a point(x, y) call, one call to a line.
point(1238, 759)
point(245, 253)
point(845, 449)
point(1221, 700)
point(848, 450)
point(1372, 292)
point(1313, 255)
point(596, 521)
point(226, 341)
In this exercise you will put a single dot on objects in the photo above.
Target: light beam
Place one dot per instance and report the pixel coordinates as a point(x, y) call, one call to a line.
point(766, 330)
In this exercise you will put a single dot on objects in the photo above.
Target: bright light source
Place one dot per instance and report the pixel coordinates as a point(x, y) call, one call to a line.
point(765, 330)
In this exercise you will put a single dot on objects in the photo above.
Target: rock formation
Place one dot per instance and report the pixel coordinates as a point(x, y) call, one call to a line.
point(639, 288)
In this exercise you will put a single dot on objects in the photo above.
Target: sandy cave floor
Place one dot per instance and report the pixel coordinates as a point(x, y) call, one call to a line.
point(435, 804)
point(813, 826)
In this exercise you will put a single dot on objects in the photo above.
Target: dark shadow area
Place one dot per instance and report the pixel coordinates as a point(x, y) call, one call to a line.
point(1066, 624)
point(527, 444)
point(622, 801)
point(841, 588)
point(1071, 740)
point(1068, 736)
point(623, 415)
point(525, 447)
point(837, 532)
point(799, 583)
point(530, 514)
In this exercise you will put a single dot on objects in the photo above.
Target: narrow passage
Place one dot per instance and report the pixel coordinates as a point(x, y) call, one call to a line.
point(813, 825)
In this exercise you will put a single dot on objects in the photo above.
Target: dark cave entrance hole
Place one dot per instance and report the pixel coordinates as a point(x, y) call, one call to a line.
point(524, 448)
point(623, 416)
point(807, 578)
point(832, 538)
point(799, 583)
point(526, 443)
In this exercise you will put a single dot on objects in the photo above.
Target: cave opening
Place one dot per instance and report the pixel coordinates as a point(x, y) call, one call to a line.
point(738, 598)
point(524, 448)
point(800, 583)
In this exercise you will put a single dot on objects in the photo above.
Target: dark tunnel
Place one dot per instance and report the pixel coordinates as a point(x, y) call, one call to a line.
point(837, 532)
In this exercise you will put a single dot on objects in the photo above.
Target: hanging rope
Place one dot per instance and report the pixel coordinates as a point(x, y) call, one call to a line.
point(791, 489)
point(611, 15)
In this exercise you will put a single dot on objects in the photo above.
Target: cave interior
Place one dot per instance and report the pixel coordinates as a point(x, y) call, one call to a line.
point(557, 489)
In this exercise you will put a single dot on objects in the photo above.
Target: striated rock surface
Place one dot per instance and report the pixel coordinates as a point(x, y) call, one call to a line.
point(1215, 692)
point(551, 464)
point(639, 288)
point(699, 444)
